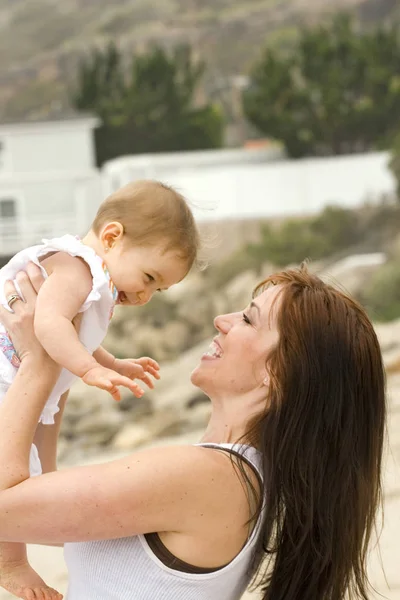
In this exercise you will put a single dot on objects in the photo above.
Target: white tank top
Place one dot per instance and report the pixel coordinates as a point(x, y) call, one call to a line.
point(127, 569)
point(97, 311)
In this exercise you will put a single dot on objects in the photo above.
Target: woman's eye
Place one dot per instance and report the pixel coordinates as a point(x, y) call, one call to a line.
point(149, 277)
point(246, 319)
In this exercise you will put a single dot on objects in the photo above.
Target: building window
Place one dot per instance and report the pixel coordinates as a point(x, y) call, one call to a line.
point(9, 228)
point(8, 208)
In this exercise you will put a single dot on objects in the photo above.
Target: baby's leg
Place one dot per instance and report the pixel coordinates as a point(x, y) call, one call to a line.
point(18, 577)
point(16, 574)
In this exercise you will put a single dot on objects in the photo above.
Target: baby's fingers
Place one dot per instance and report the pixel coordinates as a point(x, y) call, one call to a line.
point(148, 363)
point(130, 384)
point(154, 364)
point(154, 372)
point(147, 380)
point(151, 370)
point(110, 387)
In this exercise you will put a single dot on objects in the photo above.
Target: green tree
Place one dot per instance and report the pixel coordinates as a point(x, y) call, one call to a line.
point(337, 91)
point(101, 86)
point(149, 108)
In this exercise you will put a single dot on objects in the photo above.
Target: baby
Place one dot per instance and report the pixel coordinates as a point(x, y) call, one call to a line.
point(143, 239)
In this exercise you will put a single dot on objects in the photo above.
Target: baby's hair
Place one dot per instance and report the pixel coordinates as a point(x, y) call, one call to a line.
point(152, 212)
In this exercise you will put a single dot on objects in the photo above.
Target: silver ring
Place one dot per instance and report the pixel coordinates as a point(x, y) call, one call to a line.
point(13, 298)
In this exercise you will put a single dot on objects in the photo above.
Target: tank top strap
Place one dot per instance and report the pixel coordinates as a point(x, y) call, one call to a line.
point(249, 454)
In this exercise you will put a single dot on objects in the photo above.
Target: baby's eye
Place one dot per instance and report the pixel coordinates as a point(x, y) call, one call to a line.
point(149, 277)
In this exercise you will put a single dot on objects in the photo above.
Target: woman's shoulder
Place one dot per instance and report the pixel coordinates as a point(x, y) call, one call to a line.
point(204, 469)
point(207, 474)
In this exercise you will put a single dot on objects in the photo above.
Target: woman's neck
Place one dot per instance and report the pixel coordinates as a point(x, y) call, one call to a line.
point(231, 418)
point(225, 427)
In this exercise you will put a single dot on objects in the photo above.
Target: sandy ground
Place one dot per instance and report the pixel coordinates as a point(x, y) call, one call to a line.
point(49, 561)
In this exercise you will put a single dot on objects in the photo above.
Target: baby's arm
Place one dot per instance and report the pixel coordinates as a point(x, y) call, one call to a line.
point(61, 296)
point(104, 358)
point(59, 299)
point(134, 368)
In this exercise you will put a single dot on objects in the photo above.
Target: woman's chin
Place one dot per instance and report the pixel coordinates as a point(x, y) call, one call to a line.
point(194, 376)
point(197, 377)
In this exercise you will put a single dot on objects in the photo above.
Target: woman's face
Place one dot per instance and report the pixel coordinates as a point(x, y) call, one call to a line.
point(235, 363)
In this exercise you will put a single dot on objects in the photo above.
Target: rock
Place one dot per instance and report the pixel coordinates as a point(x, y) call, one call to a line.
point(136, 407)
point(84, 399)
point(238, 291)
point(101, 437)
point(176, 338)
point(193, 284)
point(132, 436)
point(164, 423)
point(100, 421)
point(175, 390)
point(121, 345)
point(353, 272)
point(198, 312)
point(62, 449)
point(389, 335)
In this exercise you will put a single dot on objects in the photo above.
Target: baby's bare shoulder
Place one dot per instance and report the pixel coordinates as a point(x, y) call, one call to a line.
point(62, 261)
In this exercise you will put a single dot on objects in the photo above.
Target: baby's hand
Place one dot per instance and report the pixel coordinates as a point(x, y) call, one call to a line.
point(109, 380)
point(138, 368)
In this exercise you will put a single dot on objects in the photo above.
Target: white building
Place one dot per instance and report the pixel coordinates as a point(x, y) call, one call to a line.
point(49, 184)
point(242, 184)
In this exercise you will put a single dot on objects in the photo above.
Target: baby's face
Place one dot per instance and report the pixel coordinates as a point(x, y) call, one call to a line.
point(138, 271)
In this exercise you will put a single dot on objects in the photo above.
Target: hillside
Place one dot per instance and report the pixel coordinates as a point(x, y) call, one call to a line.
point(42, 40)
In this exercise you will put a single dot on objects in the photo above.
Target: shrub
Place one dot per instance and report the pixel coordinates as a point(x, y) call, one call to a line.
point(382, 295)
point(333, 230)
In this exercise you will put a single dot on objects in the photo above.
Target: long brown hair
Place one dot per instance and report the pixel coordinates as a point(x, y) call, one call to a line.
point(321, 439)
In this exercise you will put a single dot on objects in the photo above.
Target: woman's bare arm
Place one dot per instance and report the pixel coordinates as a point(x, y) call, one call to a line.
point(164, 489)
point(35, 380)
point(175, 489)
point(161, 489)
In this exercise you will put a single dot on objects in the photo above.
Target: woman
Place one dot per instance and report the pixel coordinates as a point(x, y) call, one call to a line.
point(289, 468)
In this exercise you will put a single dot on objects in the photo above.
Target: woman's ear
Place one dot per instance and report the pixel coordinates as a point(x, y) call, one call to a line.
point(266, 380)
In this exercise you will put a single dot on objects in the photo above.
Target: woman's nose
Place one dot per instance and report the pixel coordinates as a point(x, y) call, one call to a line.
point(223, 323)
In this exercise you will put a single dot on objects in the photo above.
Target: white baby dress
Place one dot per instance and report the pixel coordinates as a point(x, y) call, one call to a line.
point(97, 311)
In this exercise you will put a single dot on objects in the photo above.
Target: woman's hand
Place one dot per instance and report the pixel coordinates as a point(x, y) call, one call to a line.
point(19, 322)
